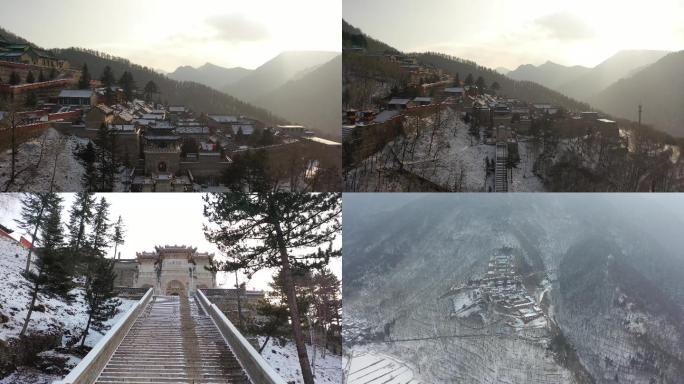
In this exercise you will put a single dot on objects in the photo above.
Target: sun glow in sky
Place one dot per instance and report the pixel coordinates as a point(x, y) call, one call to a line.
point(510, 33)
point(165, 34)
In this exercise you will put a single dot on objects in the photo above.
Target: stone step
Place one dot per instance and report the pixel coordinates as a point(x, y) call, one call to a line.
point(173, 341)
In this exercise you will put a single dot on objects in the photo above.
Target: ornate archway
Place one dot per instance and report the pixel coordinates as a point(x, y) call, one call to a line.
point(161, 166)
point(174, 288)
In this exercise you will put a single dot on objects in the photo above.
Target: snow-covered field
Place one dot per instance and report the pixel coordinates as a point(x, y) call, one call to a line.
point(328, 369)
point(368, 367)
point(36, 176)
point(56, 316)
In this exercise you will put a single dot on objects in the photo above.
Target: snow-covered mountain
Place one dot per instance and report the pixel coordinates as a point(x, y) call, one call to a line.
point(612, 265)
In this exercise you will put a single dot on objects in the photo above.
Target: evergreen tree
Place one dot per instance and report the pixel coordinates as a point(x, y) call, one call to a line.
point(108, 80)
point(87, 157)
point(99, 238)
point(275, 323)
point(100, 296)
point(99, 271)
point(50, 276)
point(480, 83)
point(14, 79)
point(33, 208)
point(150, 89)
point(287, 228)
point(53, 74)
point(107, 77)
point(84, 81)
point(496, 86)
point(457, 80)
point(127, 83)
point(80, 216)
point(469, 79)
point(41, 76)
point(118, 235)
point(105, 155)
point(30, 79)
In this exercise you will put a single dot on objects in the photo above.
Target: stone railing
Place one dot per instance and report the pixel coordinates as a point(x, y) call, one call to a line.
point(256, 367)
point(87, 371)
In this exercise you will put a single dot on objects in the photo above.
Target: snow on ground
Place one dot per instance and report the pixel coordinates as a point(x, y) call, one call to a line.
point(452, 159)
point(29, 376)
point(55, 316)
point(328, 369)
point(364, 366)
point(524, 180)
point(36, 176)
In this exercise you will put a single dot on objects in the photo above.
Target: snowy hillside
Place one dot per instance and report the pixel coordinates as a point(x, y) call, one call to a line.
point(36, 161)
point(328, 369)
point(440, 151)
point(52, 317)
point(410, 295)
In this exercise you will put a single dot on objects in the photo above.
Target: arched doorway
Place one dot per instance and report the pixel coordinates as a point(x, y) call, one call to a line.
point(175, 288)
point(161, 167)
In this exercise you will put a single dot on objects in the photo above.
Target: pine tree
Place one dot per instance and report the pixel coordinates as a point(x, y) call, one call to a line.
point(150, 89)
point(41, 76)
point(107, 165)
point(80, 216)
point(107, 77)
point(30, 79)
point(457, 80)
point(469, 79)
point(87, 157)
point(53, 74)
point(99, 271)
point(84, 81)
point(50, 276)
point(100, 296)
point(98, 240)
point(480, 83)
point(33, 206)
point(118, 235)
point(127, 83)
point(288, 227)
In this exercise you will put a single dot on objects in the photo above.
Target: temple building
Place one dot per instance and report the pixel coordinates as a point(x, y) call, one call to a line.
point(170, 270)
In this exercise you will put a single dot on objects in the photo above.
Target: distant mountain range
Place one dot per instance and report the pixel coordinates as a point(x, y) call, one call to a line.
point(209, 74)
point(276, 72)
point(313, 99)
point(524, 90)
point(659, 88)
point(303, 86)
point(583, 83)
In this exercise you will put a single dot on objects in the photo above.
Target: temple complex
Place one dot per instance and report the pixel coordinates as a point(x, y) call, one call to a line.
point(170, 270)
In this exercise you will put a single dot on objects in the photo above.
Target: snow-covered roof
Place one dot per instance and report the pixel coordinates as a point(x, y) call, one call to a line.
point(76, 93)
point(384, 116)
point(324, 141)
point(397, 101)
point(247, 129)
point(454, 90)
point(224, 118)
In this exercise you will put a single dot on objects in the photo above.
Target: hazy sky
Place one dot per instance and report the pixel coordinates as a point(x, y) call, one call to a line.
point(165, 34)
point(508, 33)
point(156, 219)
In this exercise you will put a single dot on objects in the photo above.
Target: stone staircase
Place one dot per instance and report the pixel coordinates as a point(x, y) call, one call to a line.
point(500, 172)
point(173, 341)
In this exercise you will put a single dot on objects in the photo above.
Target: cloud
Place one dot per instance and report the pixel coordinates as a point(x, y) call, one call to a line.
point(565, 26)
point(237, 28)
